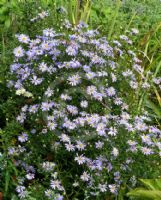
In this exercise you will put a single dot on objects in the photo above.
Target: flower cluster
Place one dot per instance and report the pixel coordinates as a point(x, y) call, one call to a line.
point(79, 130)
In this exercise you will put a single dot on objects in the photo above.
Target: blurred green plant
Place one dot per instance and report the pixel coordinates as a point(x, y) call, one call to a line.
point(79, 11)
point(150, 191)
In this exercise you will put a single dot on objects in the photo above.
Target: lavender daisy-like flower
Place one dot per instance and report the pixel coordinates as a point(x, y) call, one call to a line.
point(49, 193)
point(90, 75)
point(112, 131)
point(33, 108)
point(84, 104)
point(74, 80)
point(49, 32)
point(59, 197)
point(69, 147)
point(36, 81)
point(64, 138)
point(99, 145)
point(30, 176)
point(91, 89)
point(72, 109)
point(49, 92)
point(65, 97)
point(113, 188)
point(146, 151)
point(52, 125)
point(101, 129)
point(23, 137)
point(43, 14)
point(46, 46)
point(46, 106)
point(85, 176)
point(102, 187)
point(43, 67)
point(48, 166)
point(19, 52)
point(110, 91)
point(72, 50)
point(146, 139)
point(80, 159)
point(135, 31)
point(80, 145)
point(23, 38)
point(115, 152)
point(56, 184)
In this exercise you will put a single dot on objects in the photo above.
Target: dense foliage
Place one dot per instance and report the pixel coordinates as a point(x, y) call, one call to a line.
point(80, 106)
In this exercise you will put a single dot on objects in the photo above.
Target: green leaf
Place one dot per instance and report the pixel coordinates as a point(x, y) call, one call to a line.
point(7, 23)
point(145, 194)
point(2, 18)
point(7, 180)
point(153, 184)
point(156, 109)
point(2, 2)
point(14, 197)
point(4, 10)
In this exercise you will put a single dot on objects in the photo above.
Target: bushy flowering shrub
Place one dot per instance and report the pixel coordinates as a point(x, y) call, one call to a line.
point(80, 135)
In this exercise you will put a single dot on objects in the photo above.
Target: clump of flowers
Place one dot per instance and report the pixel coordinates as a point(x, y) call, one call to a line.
point(80, 138)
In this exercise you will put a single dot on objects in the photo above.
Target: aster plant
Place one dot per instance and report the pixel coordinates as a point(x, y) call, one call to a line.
point(82, 135)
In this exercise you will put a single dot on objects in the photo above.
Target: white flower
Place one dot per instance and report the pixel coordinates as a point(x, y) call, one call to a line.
point(84, 104)
point(23, 38)
point(111, 91)
point(72, 109)
point(48, 166)
point(99, 144)
point(56, 184)
point(48, 32)
point(74, 80)
point(30, 176)
point(49, 193)
point(21, 91)
point(28, 94)
point(80, 159)
point(85, 176)
point(75, 184)
point(115, 152)
point(65, 97)
point(90, 75)
point(70, 147)
point(135, 31)
point(146, 139)
point(80, 145)
point(18, 52)
point(64, 138)
point(43, 14)
point(52, 125)
point(49, 92)
point(113, 188)
point(112, 131)
point(43, 67)
point(101, 129)
point(146, 151)
point(102, 187)
point(91, 89)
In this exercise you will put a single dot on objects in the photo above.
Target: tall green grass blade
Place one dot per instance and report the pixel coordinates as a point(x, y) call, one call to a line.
point(118, 5)
point(152, 184)
point(155, 108)
point(157, 69)
point(143, 194)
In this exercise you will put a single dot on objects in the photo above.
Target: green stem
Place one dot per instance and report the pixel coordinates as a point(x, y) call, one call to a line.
point(118, 5)
point(133, 16)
